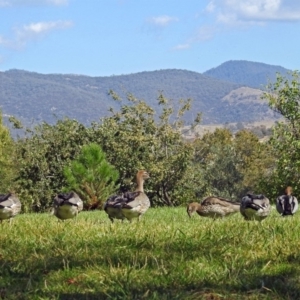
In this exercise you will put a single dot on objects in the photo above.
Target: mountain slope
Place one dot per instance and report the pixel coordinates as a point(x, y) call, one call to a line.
point(37, 96)
point(252, 74)
point(34, 97)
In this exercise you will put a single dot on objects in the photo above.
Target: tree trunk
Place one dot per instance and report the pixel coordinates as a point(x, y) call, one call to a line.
point(166, 197)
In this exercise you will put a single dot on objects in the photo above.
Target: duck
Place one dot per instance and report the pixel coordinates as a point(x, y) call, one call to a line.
point(129, 205)
point(213, 207)
point(10, 206)
point(67, 205)
point(255, 207)
point(287, 204)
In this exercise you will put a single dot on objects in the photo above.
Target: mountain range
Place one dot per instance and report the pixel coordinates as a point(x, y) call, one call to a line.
point(228, 93)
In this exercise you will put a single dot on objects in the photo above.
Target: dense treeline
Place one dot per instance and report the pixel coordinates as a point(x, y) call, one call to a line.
point(104, 157)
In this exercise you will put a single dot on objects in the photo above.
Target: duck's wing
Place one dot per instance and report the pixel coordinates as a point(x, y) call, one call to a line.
point(133, 199)
point(4, 197)
point(249, 202)
point(7, 203)
point(126, 200)
point(294, 204)
point(114, 201)
point(256, 208)
point(280, 203)
point(10, 200)
point(70, 198)
point(220, 201)
point(261, 201)
point(74, 199)
point(257, 197)
point(206, 200)
point(17, 202)
point(58, 200)
point(66, 196)
point(286, 204)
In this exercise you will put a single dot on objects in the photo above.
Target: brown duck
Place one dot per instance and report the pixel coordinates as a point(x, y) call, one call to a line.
point(255, 207)
point(213, 207)
point(287, 204)
point(67, 205)
point(10, 206)
point(129, 205)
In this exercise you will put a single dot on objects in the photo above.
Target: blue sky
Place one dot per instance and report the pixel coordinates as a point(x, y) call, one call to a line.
point(114, 37)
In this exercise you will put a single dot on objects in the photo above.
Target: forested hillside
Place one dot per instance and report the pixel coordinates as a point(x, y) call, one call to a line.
point(247, 73)
point(34, 97)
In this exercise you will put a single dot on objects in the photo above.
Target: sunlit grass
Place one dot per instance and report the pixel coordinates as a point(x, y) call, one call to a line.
point(164, 256)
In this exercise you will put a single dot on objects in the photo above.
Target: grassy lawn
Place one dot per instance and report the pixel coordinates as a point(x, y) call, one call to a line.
point(164, 256)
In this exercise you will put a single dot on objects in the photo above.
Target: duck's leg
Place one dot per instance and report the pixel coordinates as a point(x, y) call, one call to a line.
point(76, 216)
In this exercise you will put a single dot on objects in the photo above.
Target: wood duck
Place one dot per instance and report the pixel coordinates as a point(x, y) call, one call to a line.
point(287, 204)
point(67, 205)
point(10, 206)
point(255, 207)
point(213, 207)
point(129, 205)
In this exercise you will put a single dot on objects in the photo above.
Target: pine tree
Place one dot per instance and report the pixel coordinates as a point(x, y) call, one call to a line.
point(91, 176)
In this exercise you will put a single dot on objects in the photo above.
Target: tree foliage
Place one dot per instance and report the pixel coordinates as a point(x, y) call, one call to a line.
point(135, 138)
point(91, 176)
point(42, 156)
point(7, 166)
point(214, 155)
point(284, 98)
point(230, 164)
point(255, 161)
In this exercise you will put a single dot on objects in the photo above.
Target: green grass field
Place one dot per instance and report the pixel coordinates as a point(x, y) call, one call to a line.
point(164, 256)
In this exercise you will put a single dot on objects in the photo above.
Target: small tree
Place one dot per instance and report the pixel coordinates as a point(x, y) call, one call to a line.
point(91, 176)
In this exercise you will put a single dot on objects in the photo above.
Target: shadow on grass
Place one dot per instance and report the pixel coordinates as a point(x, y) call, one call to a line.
point(285, 284)
point(245, 282)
